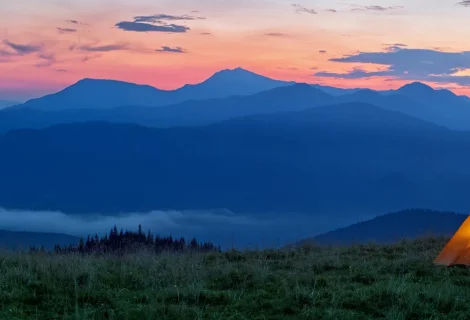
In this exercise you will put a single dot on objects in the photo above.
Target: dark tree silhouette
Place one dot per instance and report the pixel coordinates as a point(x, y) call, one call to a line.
point(129, 241)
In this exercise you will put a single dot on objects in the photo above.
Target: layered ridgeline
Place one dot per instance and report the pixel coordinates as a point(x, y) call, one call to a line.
point(393, 227)
point(227, 94)
point(189, 113)
point(7, 103)
point(348, 158)
point(107, 94)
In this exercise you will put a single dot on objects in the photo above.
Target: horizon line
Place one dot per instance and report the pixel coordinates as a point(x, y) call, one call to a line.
point(21, 101)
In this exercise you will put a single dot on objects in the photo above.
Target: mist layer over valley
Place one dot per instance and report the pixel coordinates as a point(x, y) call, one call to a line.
point(222, 227)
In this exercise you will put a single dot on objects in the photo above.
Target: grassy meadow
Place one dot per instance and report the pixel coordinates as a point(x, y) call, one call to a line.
point(359, 282)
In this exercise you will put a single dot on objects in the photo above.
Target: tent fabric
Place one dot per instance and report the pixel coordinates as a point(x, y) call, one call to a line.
point(463, 258)
point(457, 250)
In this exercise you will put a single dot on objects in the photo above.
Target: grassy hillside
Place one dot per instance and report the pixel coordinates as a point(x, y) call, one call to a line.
point(363, 282)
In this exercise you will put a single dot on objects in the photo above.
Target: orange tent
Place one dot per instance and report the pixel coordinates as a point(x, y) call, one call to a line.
point(457, 250)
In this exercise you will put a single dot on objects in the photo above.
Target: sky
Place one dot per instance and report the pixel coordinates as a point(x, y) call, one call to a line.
point(381, 44)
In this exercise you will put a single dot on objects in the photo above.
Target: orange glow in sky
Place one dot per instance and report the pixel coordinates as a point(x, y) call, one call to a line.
point(50, 44)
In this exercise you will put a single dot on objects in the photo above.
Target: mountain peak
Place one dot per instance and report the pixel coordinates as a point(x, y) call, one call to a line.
point(416, 86)
point(102, 81)
point(86, 83)
point(109, 85)
point(94, 80)
point(236, 72)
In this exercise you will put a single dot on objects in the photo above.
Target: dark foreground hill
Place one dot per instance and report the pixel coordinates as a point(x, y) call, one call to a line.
point(393, 227)
point(350, 158)
point(395, 281)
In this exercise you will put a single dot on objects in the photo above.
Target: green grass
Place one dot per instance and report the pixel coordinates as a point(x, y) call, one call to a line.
point(361, 282)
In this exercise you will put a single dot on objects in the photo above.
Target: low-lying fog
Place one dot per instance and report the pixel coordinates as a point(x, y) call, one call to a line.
point(222, 227)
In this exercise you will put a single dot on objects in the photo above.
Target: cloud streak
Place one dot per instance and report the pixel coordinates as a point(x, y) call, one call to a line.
point(276, 34)
point(47, 60)
point(380, 8)
point(147, 27)
point(23, 49)
point(66, 30)
point(357, 73)
point(408, 64)
point(465, 3)
point(6, 53)
point(395, 46)
point(157, 18)
point(376, 8)
point(90, 57)
point(156, 23)
point(171, 49)
point(104, 48)
point(301, 9)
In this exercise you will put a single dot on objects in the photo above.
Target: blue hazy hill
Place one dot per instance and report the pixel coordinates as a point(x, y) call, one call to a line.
point(98, 94)
point(416, 99)
point(107, 94)
point(7, 103)
point(23, 240)
point(193, 112)
point(393, 227)
point(137, 103)
point(338, 158)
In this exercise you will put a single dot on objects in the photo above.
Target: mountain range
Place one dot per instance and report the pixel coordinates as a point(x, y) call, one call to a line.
point(227, 94)
point(243, 142)
point(188, 113)
point(107, 94)
point(352, 157)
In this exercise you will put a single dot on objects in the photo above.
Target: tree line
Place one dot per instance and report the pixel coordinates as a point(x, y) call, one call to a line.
point(132, 241)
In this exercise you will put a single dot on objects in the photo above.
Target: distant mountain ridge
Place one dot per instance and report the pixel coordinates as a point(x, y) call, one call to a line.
point(225, 95)
point(393, 227)
point(418, 100)
point(226, 83)
point(7, 103)
point(188, 113)
point(466, 98)
point(97, 94)
point(107, 94)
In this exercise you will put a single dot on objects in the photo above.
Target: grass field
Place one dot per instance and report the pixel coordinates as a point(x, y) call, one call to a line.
point(362, 282)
